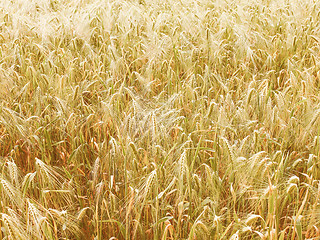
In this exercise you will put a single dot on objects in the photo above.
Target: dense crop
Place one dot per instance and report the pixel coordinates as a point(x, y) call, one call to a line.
point(159, 119)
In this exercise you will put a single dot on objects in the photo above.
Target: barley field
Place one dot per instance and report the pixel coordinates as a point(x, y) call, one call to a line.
point(159, 119)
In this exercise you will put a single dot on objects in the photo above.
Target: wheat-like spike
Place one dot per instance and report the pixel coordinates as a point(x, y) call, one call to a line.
point(49, 175)
point(76, 93)
point(50, 178)
point(314, 118)
point(99, 191)
point(181, 168)
point(134, 149)
point(34, 219)
point(5, 220)
point(154, 125)
point(229, 149)
point(95, 170)
point(145, 187)
point(255, 159)
point(14, 215)
point(82, 213)
point(11, 225)
point(114, 146)
point(27, 181)
point(212, 105)
point(150, 179)
point(182, 163)
point(13, 172)
point(12, 193)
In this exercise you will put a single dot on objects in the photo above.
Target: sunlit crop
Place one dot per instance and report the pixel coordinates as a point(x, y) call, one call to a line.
point(159, 119)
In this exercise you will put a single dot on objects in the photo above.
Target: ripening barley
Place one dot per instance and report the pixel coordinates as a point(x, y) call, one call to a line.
point(159, 120)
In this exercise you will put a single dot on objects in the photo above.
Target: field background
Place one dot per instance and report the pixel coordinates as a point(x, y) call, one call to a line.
point(152, 119)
